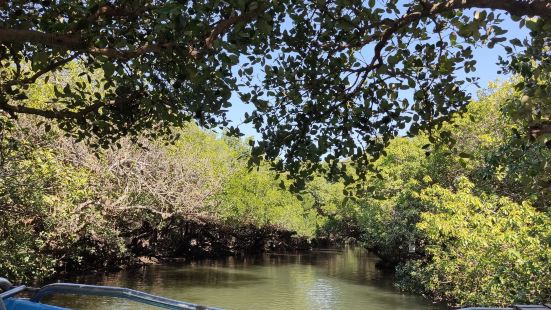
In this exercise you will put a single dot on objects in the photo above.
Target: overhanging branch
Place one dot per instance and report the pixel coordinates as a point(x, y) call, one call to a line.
point(541, 8)
point(224, 25)
point(51, 67)
point(66, 41)
point(50, 114)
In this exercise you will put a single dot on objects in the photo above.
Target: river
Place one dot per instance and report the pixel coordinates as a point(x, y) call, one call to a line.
point(323, 279)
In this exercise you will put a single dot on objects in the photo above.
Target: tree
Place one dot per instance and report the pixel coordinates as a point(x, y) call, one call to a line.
point(483, 250)
point(157, 63)
point(351, 75)
point(328, 79)
point(461, 224)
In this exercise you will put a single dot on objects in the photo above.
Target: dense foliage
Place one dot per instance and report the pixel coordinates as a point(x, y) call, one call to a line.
point(67, 207)
point(328, 79)
point(481, 249)
point(46, 214)
point(468, 225)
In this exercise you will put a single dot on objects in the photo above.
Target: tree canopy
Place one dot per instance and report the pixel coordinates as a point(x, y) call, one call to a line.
point(329, 79)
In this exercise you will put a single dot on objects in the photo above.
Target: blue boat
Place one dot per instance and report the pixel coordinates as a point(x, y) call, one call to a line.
point(10, 300)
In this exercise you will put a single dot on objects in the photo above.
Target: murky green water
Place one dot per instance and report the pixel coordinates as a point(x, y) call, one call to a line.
point(319, 280)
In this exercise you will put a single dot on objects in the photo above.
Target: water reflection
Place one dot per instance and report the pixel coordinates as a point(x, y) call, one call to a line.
point(318, 280)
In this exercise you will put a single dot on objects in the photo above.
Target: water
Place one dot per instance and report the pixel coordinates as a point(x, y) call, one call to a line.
point(325, 279)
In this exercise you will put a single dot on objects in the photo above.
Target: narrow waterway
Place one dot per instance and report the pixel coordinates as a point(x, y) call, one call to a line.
point(325, 279)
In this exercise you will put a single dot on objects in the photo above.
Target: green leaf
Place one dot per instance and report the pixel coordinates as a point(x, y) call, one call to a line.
point(453, 38)
point(108, 69)
point(516, 42)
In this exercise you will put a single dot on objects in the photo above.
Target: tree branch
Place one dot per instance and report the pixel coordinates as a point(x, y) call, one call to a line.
point(540, 8)
point(50, 114)
point(72, 42)
point(132, 53)
point(224, 25)
point(51, 67)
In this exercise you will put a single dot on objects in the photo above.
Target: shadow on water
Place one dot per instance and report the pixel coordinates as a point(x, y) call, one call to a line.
point(171, 276)
point(321, 279)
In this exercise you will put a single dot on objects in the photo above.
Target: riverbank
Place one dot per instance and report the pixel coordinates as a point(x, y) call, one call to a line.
point(187, 240)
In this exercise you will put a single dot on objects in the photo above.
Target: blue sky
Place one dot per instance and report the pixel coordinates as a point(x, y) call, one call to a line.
point(487, 69)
